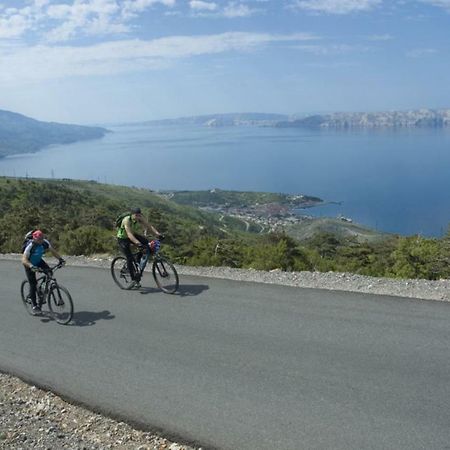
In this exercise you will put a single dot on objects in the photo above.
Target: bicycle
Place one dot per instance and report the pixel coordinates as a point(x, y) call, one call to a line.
point(164, 272)
point(50, 292)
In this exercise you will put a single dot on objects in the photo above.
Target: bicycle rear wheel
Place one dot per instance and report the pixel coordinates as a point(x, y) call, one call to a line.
point(24, 292)
point(60, 304)
point(165, 275)
point(121, 274)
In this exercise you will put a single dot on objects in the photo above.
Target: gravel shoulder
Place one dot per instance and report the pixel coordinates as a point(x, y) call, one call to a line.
point(33, 418)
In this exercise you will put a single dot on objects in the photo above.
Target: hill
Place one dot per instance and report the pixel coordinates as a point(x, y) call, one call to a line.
point(422, 118)
point(21, 134)
point(262, 212)
point(222, 120)
point(387, 119)
point(78, 217)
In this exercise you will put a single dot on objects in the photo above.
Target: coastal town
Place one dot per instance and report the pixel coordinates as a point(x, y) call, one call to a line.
point(259, 212)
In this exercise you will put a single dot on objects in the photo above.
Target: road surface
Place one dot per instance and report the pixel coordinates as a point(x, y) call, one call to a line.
point(235, 365)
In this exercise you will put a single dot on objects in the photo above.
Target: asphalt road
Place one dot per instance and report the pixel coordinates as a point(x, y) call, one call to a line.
point(233, 365)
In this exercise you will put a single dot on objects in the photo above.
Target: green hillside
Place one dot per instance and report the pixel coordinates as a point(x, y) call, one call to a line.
point(78, 217)
point(219, 198)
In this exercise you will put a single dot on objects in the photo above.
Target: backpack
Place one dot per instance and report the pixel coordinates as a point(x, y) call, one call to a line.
point(119, 219)
point(27, 238)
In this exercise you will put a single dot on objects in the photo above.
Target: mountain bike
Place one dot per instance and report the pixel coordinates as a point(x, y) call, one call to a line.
point(49, 292)
point(164, 272)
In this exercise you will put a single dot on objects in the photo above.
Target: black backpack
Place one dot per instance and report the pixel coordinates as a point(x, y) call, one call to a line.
point(120, 219)
point(27, 238)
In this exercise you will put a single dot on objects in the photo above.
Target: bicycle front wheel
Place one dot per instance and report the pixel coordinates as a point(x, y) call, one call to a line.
point(24, 292)
point(60, 304)
point(165, 275)
point(121, 274)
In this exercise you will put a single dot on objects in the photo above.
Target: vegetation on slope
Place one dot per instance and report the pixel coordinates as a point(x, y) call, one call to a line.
point(79, 216)
point(21, 134)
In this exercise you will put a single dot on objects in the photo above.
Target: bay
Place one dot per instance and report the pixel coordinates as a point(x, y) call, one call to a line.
point(391, 180)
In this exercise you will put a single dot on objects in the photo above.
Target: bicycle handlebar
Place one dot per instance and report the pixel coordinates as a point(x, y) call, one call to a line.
point(52, 268)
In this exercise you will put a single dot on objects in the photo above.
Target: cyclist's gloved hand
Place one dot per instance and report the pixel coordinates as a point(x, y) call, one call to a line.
point(62, 261)
point(160, 236)
point(34, 269)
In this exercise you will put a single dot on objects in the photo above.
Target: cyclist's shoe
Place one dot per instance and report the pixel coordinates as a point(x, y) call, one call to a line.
point(135, 284)
point(36, 310)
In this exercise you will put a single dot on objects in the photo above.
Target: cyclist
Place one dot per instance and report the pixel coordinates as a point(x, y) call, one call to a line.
point(32, 261)
point(127, 234)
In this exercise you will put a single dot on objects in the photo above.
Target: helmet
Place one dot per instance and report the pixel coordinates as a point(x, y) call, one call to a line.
point(38, 234)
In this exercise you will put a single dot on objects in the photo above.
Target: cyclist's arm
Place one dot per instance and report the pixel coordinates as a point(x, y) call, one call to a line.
point(26, 257)
point(26, 262)
point(149, 226)
point(55, 253)
point(129, 232)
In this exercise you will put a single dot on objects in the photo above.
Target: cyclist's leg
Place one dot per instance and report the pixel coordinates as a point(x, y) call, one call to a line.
point(144, 241)
point(31, 276)
point(124, 245)
point(43, 265)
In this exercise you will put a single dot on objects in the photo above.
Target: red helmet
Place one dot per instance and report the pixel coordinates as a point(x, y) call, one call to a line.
point(38, 234)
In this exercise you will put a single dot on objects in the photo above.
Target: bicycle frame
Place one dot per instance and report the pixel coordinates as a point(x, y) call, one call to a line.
point(142, 258)
point(44, 282)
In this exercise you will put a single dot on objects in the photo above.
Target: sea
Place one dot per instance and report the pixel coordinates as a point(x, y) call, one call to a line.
point(397, 181)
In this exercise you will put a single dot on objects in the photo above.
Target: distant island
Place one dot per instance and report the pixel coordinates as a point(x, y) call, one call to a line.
point(21, 134)
point(387, 119)
point(340, 120)
point(224, 120)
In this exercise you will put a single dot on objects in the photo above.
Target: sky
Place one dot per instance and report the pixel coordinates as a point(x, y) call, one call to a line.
point(108, 61)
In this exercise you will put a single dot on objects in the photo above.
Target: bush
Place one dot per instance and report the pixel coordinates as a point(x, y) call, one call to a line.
point(87, 240)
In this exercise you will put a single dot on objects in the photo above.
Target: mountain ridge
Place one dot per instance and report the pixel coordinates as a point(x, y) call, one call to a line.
point(418, 118)
point(22, 134)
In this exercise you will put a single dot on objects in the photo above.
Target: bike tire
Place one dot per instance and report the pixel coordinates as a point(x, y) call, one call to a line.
point(121, 274)
point(165, 275)
point(24, 292)
point(60, 304)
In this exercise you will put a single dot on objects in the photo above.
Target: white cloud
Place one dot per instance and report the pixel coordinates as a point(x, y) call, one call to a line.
point(439, 3)
point(13, 26)
point(421, 52)
point(42, 62)
point(336, 49)
point(59, 20)
point(92, 17)
point(380, 37)
point(335, 6)
point(234, 9)
point(202, 6)
point(131, 8)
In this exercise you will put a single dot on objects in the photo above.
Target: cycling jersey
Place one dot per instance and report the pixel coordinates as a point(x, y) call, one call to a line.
point(34, 251)
point(134, 225)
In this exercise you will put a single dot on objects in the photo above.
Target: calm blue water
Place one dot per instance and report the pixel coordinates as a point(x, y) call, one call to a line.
point(396, 181)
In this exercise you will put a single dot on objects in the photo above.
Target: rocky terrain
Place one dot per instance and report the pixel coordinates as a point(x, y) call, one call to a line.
point(34, 419)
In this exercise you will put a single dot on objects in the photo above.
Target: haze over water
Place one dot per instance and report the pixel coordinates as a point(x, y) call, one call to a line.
point(394, 181)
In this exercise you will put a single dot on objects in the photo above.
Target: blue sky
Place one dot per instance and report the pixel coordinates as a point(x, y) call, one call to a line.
point(102, 61)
